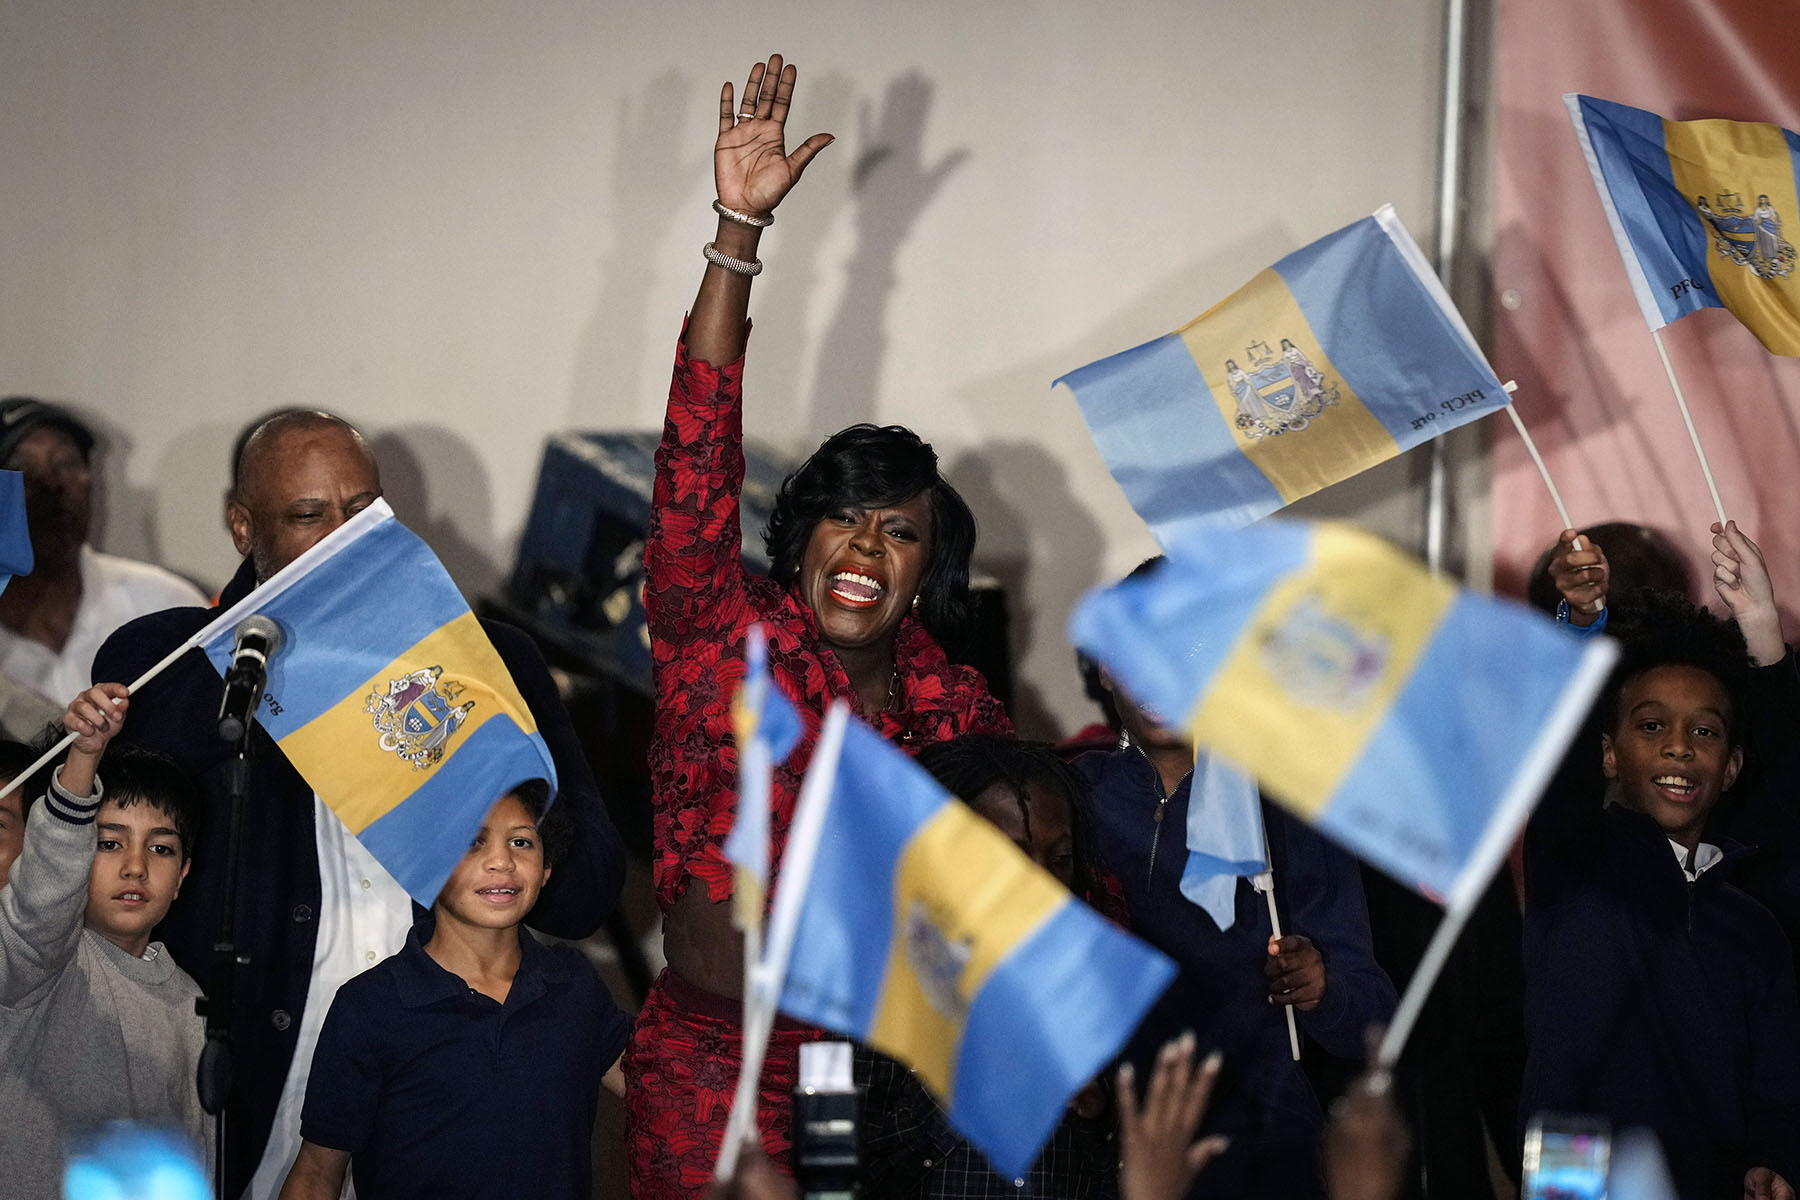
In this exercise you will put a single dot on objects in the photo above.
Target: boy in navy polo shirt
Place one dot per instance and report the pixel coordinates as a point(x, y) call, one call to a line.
point(470, 1063)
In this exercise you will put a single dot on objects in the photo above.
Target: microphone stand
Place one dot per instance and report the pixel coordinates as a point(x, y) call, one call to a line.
point(214, 1077)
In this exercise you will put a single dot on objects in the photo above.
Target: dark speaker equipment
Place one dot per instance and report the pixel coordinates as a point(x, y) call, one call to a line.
point(579, 574)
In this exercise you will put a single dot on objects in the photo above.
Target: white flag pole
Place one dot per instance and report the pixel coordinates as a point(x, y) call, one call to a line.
point(1264, 882)
point(762, 986)
point(1688, 420)
point(68, 740)
point(1543, 471)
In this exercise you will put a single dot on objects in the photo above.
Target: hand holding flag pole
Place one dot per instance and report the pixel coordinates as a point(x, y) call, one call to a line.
point(1264, 882)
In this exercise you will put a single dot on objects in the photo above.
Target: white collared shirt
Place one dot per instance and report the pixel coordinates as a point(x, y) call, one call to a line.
point(1706, 856)
point(113, 591)
point(364, 917)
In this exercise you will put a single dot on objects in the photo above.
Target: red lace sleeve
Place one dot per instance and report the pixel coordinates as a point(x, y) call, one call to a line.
point(693, 569)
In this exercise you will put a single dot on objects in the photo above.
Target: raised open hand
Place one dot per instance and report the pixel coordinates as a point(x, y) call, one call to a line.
point(1158, 1156)
point(752, 168)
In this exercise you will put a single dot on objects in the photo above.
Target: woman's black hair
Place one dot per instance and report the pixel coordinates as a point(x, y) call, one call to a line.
point(1657, 628)
point(968, 765)
point(878, 466)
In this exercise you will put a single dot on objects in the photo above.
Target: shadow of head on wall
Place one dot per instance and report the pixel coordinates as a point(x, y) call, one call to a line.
point(1041, 543)
point(438, 486)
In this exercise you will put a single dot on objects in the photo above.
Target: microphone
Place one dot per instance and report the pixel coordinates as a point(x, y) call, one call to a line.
point(258, 638)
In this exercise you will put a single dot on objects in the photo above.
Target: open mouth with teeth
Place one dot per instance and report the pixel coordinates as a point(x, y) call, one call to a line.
point(853, 589)
point(130, 897)
point(1675, 787)
point(497, 895)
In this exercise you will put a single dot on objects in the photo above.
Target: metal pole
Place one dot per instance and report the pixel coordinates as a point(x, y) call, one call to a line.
point(1448, 230)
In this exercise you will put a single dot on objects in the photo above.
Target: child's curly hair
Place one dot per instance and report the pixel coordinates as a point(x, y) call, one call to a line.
point(1658, 628)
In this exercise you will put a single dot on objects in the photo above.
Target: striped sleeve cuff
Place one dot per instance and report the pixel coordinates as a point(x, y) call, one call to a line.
point(76, 810)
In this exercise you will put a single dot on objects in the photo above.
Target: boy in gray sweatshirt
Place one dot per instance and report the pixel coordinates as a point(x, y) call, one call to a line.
point(96, 1022)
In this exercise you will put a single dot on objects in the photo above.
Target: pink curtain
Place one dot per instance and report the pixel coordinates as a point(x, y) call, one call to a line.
point(1591, 388)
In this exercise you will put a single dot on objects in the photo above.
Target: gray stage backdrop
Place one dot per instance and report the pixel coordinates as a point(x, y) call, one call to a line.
point(465, 225)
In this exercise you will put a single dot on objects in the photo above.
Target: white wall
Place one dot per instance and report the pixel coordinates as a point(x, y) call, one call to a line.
point(465, 225)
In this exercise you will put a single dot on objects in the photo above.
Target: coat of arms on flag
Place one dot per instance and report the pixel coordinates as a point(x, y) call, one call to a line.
point(418, 715)
point(1751, 239)
point(1280, 393)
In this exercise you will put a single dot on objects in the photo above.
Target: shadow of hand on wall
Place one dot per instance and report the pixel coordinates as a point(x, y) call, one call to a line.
point(893, 184)
point(151, 523)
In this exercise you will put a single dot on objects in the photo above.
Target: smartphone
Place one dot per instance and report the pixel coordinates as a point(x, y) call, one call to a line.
point(1567, 1157)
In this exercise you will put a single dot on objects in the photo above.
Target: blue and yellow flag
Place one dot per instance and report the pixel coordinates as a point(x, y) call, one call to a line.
point(387, 696)
point(1413, 722)
point(767, 729)
point(16, 557)
point(1338, 357)
point(1700, 211)
point(927, 934)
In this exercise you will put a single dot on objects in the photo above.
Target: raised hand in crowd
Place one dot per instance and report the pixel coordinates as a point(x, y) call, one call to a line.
point(1578, 568)
point(95, 718)
point(1760, 1183)
point(1296, 972)
point(1742, 580)
point(753, 171)
point(1366, 1144)
point(1158, 1156)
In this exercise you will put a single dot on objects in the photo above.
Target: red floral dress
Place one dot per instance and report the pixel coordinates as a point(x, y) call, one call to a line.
point(682, 1063)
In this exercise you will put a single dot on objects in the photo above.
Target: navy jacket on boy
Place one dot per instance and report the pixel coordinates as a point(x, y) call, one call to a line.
point(1264, 1101)
point(276, 926)
point(1655, 1001)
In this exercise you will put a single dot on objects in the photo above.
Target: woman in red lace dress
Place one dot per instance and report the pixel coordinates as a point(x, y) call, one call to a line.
point(871, 555)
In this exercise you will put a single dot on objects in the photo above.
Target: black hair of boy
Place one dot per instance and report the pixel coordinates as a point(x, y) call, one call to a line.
point(556, 829)
point(14, 758)
point(1659, 628)
point(968, 765)
point(135, 774)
